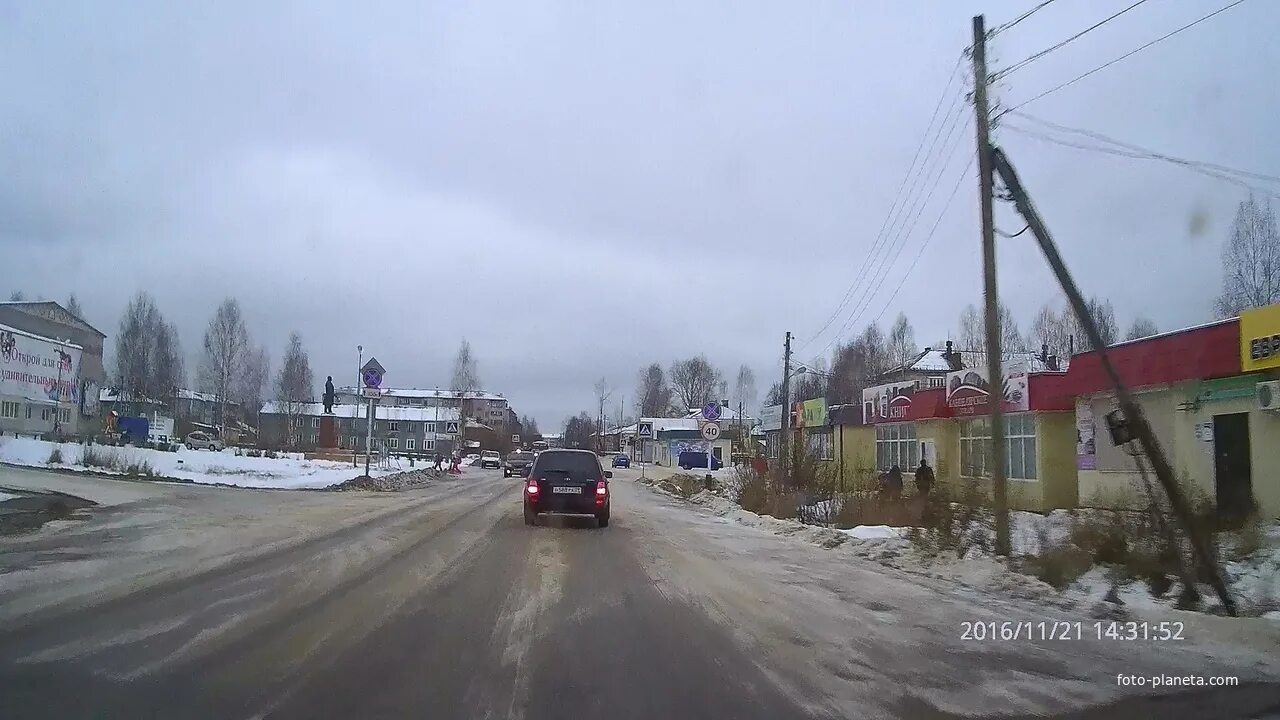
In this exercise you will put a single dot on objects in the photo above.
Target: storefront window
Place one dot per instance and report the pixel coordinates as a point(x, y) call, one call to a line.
point(771, 445)
point(896, 445)
point(1020, 447)
point(820, 445)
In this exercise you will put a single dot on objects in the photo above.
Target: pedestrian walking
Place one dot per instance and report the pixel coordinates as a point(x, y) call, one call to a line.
point(924, 478)
point(891, 484)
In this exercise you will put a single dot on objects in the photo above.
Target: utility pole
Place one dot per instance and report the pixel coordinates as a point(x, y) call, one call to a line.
point(991, 298)
point(1133, 414)
point(783, 456)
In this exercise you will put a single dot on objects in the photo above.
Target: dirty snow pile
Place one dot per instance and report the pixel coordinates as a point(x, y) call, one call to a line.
point(394, 482)
point(285, 471)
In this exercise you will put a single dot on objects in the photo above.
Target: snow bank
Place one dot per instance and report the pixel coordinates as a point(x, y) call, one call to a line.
point(873, 532)
point(286, 471)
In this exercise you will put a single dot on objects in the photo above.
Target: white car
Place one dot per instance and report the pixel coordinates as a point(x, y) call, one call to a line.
point(204, 441)
point(490, 459)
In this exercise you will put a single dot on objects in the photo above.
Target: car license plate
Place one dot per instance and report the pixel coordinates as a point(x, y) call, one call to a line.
point(567, 490)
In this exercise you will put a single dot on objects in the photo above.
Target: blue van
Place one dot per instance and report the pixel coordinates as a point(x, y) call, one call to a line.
point(695, 460)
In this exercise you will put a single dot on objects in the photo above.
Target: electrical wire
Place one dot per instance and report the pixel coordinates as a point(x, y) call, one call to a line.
point(911, 170)
point(1146, 152)
point(1129, 54)
point(1001, 28)
point(897, 238)
point(1027, 61)
point(1233, 179)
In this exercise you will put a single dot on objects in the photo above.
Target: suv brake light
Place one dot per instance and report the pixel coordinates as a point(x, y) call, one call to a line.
point(532, 487)
point(602, 491)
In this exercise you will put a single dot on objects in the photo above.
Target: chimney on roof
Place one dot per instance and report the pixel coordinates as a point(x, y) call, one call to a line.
point(952, 357)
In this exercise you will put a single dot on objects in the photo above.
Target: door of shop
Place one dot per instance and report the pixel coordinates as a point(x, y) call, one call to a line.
point(1232, 469)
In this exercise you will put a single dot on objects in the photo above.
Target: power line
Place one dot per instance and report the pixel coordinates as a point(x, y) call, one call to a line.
point(1131, 53)
point(882, 273)
point(898, 232)
point(963, 174)
point(1027, 61)
point(1001, 28)
point(1233, 179)
point(1147, 153)
point(911, 169)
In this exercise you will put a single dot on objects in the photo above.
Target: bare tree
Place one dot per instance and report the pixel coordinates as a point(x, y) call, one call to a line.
point(135, 343)
point(744, 389)
point(858, 365)
point(774, 395)
point(1250, 260)
point(529, 425)
point(1104, 317)
point(294, 386)
point(653, 395)
point(168, 370)
point(73, 306)
point(972, 336)
point(225, 343)
point(466, 375)
point(17, 296)
point(577, 431)
point(1052, 328)
point(902, 342)
point(1141, 327)
point(695, 381)
point(602, 393)
point(254, 378)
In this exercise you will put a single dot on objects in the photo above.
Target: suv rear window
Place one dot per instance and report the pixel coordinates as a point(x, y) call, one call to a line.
point(520, 457)
point(576, 464)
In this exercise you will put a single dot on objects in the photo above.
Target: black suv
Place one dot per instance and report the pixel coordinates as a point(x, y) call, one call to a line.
point(517, 463)
point(567, 482)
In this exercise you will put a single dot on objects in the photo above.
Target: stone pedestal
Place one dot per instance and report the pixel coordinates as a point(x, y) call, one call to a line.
point(328, 431)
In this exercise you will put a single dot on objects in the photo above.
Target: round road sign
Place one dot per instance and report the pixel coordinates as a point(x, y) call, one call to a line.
point(711, 431)
point(711, 411)
point(372, 378)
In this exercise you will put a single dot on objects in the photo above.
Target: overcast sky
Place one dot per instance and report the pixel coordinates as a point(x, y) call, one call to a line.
point(581, 190)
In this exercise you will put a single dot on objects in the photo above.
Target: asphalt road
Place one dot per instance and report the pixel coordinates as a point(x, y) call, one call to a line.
point(449, 606)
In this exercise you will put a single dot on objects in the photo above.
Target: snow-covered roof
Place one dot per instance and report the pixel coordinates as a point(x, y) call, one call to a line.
point(929, 360)
point(479, 425)
point(196, 395)
point(113, 395)
point(659, 425)
point(1030, 360)
point(426, 393)
point(727, 414)
point(385, 412)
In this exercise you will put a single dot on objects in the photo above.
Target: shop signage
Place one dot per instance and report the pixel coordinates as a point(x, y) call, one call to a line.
point(813, 413)
point(969, 392)
point(889, 402)
point(38, 368)
point(771, 418)
point(1260, 338)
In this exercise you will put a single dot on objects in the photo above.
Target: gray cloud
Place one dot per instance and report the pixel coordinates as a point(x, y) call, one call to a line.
point(583, 190)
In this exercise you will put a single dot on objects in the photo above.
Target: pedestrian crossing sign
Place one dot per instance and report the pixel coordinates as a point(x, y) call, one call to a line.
point(451, 428)
point(646, 430)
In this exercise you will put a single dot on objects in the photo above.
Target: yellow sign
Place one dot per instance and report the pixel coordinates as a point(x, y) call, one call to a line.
point(814, 413)
point(1260, 338)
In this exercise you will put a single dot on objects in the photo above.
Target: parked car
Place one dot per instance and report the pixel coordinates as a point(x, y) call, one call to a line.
point(199, 440)
point(567, 482)
point(490, 458)
point(695, 460)
point(518, 463)
point(621, 461)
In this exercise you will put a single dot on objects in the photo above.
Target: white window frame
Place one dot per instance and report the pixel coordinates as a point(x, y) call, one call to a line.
point(429, 427)
point(393, 425)
point(9, 410)
point(393, 443)
point(411, 444)
point(821, 443)
point(315, 422)
point(428, 444)
point(897, 444)
point(1020, 447)
point(938, 381)
point(65, 414)
point(44, 414)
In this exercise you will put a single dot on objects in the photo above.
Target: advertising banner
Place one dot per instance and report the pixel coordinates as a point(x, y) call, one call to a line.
point(887, 403)
point(1086, 448)
point(771, 418)
point(1260, 338)
point(813, 413)
point(37, 368)
point(969, 392)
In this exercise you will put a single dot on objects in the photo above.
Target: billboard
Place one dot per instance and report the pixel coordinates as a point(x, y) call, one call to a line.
point(969, 392)
point(37, 368)
point(813, 413)
point(887, 403)
point(771, 418)
point(1260, 338)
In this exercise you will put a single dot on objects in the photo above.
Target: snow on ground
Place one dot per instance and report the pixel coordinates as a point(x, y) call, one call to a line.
point(873, 532)
point(287, 471)
point(6, 496)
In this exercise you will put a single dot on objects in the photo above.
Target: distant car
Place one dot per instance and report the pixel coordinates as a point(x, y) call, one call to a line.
point(203, 441)
point(470, 459)
point(567, 482)
point(518, 463)
point(696, 460)
point(621, 461)
point(490, 458)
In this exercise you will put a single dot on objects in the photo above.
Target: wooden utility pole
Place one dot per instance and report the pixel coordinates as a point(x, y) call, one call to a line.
point(783, 456)
point(1133, 414)
point(990, 297)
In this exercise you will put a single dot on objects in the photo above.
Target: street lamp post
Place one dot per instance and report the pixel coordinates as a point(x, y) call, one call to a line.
point(359, 364)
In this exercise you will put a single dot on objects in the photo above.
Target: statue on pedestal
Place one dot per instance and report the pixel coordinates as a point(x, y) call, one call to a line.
point(328, 396)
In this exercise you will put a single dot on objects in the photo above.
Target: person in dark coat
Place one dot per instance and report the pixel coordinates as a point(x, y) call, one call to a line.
point(893, 483)
point(924, 478)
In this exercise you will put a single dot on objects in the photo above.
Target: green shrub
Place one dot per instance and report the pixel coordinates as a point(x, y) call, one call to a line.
point(138, 468)
point(55, 455)
point(1059, 566)
point(92, 456)
point(750, 491)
